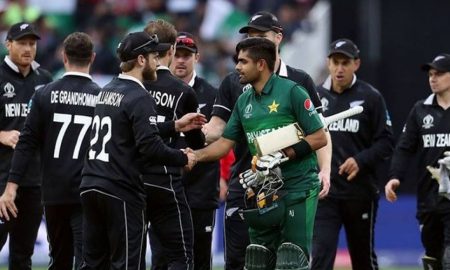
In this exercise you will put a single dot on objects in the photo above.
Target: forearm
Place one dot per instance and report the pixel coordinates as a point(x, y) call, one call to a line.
point(214, 129)
point(324, 155)
point(214, 151)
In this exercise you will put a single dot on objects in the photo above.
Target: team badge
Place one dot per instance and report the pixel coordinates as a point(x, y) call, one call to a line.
point(248, 111)
point(246, 87)
point(308, 105)
point(24, 26)
point(356, 103)
point(273, 107)
point(428, 121)
point(9, 90)
point(152, 120)
point(325, 104)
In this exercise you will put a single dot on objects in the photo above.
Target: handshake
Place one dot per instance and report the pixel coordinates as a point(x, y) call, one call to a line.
point(261, 168)
point(192, 158)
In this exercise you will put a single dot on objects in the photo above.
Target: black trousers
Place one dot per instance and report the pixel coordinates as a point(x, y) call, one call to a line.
point(236, 238)
point(435, 232)
point(113, 232)
point(358, 218)
point(23, 229)
point(170, 231)
point(64, 229)
point(203, 221)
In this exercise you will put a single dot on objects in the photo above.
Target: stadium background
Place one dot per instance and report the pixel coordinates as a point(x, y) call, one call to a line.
point(394, 37)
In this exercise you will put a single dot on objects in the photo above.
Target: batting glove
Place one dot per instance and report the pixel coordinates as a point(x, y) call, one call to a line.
point(267, 162)
point(446, 160)
point(249, 178)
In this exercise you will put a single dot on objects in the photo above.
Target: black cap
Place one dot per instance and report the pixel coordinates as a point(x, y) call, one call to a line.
point(186, 41)
point(344, 46)
point(20, 30)
point(137, 43)
point(440, 63)
point(263, 21)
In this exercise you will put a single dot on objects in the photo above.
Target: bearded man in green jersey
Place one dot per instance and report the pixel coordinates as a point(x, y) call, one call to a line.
point(280, 236)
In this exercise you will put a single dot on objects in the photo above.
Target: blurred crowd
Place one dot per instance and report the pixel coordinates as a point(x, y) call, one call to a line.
point(215, 23)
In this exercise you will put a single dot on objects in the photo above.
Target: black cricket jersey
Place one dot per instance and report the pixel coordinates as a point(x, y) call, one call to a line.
point(58, 123)
point(124, 136)
point(229, 91)
point(427, 135)
point(367, 137)
point(202, 182)
point(174, 98)
point(15, 95)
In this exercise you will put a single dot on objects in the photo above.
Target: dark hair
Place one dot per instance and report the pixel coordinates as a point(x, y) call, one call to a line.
point(79, 48)
point(165, 30)
point(259, 48)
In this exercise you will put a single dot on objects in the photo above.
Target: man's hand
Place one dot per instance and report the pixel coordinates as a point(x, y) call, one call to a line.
point(192, 159)
point(390, 188)
point(189, 122)
point(324, 177)
point(7, 201)
point(9, 138)
point(270, 161)
point(350, 167)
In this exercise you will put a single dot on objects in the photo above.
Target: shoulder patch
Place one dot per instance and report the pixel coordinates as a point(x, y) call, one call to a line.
point(309, 106)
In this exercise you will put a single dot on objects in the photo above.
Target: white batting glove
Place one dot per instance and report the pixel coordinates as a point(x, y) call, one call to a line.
point(446, 160)
point(250, 179)
point(267, 162)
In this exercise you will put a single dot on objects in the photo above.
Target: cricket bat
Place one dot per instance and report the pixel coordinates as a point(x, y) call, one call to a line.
point(292, 134)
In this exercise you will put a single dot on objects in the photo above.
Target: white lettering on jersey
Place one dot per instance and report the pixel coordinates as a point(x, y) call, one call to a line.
point(16, 110)
point(163, 99)
point(73, 98)
point(436, 140)
point(346, 125)
point(110, 98)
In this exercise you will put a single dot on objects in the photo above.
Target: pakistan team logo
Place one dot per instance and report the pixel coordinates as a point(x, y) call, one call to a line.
point(428, 121)
point(9, 90)
point(248, 111)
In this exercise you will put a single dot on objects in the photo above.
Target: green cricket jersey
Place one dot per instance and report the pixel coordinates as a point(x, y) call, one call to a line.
point(282, 102)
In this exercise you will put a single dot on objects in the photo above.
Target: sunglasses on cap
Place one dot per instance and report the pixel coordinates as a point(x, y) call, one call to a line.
point(186, 41)
point(154, 40)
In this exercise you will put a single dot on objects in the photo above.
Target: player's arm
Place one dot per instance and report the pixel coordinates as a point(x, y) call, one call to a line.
point(146, 133)
point(214, 151)
point(27, 144)
point(324, 154)
point(383, 141)
point(406, 148)
point(194, 138)
point(213, 130)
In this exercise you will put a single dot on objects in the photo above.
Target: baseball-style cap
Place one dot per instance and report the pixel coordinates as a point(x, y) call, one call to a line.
point(137, 43)
point(20, 30)
point(440, 63)
point(344, 46)
point(263, 21)
point(186, 41)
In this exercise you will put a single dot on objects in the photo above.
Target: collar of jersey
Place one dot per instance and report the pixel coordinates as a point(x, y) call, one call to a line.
point(10, 63)
point(192, 81)
point(282, 70)
point(130, 78)
point(76, 73)
point(327, 83)
point(269, 85)
point(161, 67)
point(431, 100)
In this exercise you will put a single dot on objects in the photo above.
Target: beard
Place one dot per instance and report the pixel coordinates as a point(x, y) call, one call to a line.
point(149, 74)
